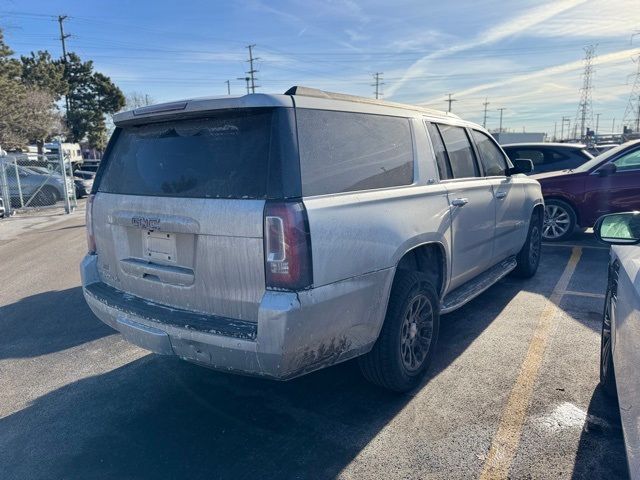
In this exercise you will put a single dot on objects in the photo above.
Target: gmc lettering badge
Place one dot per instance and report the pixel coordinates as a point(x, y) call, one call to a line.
point(146, 223)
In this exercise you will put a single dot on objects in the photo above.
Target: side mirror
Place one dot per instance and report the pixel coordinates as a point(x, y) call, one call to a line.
point(521, 165)
point(618, 228)
point(607, 169)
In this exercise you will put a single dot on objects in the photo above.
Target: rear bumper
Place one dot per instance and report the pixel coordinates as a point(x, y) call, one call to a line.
point(295, 333)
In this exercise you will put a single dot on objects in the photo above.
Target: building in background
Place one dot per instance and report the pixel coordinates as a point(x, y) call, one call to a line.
point(518, 137)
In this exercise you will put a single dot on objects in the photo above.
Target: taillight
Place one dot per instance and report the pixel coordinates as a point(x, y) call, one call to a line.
point(91, 241)
point(287, 246)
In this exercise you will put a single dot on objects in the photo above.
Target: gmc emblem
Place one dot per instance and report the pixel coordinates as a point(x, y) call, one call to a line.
point(146, 223)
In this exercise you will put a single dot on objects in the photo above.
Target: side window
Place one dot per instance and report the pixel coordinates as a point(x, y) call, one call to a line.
point(536, 156)
point(444, 169)
point(630, 161)
point(492, 159)
point(463, 163)
point(347, 152)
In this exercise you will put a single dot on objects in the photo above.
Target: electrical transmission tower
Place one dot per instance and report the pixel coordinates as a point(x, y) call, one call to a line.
point(377, 77)
point(252, 71)
point(631, 119)
point(584, 116)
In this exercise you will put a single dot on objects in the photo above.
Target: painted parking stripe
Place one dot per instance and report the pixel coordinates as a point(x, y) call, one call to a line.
point(584, 294)
point(572, 245)
point(505, 442)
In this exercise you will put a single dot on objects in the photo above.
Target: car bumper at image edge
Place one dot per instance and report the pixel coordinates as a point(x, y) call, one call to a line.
point(296, 332)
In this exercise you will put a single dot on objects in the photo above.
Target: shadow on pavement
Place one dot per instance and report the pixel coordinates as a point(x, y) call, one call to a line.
point(601, 451)
point(161, 418)
point(48, 322)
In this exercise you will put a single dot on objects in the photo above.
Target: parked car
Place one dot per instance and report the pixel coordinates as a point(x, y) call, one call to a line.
point(83, 182)
point(603, 147)
point(40, 188)
point(608, 183)
point(2, 210)
point(549, 157)
point(278, 234)
point(619, 354)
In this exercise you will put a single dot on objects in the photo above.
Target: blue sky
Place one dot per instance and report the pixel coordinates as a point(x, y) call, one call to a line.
point(525, 56)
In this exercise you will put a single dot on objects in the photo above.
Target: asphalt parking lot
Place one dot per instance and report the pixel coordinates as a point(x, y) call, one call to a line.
point(513, 391)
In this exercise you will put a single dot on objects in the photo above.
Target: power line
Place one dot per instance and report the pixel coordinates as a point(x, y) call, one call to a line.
point(585, 109)
point(252, 71)
point(377, 77)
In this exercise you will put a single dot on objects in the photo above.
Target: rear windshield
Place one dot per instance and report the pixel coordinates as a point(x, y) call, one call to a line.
point(226, 156)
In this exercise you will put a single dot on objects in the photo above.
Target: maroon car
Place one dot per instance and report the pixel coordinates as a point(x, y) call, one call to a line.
point(606, 184)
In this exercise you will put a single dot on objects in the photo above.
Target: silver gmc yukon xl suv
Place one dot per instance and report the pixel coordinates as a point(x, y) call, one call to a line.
point(275, 235)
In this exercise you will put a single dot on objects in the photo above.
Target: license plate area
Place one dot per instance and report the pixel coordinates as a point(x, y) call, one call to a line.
point(159, 246)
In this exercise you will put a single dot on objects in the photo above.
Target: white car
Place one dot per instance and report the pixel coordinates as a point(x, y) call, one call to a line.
point(620, 352)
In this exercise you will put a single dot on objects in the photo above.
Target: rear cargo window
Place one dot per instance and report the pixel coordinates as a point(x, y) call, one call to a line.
point(346, 152)
point(222, 157)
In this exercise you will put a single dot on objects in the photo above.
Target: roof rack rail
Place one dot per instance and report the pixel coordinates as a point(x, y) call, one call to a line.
point(315, 92)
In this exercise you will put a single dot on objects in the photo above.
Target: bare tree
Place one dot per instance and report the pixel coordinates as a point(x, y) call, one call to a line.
point(137, 100)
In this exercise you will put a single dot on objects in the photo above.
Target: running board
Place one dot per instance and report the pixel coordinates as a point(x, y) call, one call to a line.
point(475, 287)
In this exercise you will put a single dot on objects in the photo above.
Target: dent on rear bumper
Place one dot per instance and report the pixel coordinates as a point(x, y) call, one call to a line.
point(297, 332)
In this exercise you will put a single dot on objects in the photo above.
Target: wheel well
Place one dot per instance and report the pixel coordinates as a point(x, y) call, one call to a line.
point(568, 202)
point(428, 259)
point(539, 210)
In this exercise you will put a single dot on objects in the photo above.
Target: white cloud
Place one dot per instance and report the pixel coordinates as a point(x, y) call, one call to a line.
point(508, 28)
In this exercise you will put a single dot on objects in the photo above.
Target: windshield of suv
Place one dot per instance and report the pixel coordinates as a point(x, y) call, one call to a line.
point(221, 157)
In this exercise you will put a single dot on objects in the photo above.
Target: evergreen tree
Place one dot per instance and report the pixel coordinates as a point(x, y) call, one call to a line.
point(91, 95)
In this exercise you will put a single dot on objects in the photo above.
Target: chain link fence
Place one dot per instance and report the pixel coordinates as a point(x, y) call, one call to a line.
point(32, 182)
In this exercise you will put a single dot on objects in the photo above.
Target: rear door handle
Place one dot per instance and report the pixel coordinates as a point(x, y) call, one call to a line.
point(459, 202)
point(501, 194)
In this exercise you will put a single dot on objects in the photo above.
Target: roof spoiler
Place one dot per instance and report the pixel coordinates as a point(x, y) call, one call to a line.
point(314, 92)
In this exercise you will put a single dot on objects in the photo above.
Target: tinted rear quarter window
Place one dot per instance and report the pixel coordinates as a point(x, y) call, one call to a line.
point(222, 156)
point(463, 163)
point(346, 152)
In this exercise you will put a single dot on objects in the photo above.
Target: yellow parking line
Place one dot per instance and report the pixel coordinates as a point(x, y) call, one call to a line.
point(505, 442)
point(583, 294)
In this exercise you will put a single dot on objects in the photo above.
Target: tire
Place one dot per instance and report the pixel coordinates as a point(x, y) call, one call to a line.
point(528, 258)
point(559, 221)
point(46, 196)
point(401, 355)
point(607, 372)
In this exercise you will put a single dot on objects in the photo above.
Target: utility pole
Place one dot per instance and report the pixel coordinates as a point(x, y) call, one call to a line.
point(555, 130)
point(248, 80)
point(501, 109)
point(568, 121)
point(252, 71)
point(613, 126)
point(378, 84)
point(63, 37)
point(450, 100)
point(228, 87)
point(595, 133)
point(484, 120)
